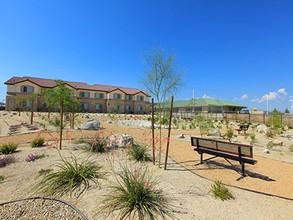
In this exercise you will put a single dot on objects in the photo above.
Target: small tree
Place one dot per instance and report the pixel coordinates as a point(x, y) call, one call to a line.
point(62, 97)
point(161, 80)
point(19, 102)
point(287, 111)
point(32, 99)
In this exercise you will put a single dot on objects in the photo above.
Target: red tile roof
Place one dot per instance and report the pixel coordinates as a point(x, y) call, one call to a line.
point(49, 83)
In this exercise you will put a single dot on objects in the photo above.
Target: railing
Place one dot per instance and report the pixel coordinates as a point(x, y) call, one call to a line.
point(261, 118)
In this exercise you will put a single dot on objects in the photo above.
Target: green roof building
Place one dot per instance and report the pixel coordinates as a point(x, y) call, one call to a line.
point(202, 105)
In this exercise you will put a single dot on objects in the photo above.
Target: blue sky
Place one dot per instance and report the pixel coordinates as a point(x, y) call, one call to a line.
point(236, 50)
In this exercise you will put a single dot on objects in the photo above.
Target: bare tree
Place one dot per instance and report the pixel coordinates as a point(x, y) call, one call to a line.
point(161, 79)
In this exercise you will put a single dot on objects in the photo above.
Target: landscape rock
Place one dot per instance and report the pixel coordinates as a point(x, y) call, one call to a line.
point(266, 151)
point(92, 125)
point(216, 132)
point(119, 140)
point(262, 128)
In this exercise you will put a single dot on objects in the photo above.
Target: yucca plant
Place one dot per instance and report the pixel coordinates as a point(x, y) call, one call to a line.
point(220, 191)
point(134, 196)
point(71, 177)
point(139, 152)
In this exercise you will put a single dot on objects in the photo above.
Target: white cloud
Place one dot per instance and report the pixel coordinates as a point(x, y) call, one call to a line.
point(245, 96)
point(254, 100)
point(282, 91)
point(205, 96)
point(270, 97)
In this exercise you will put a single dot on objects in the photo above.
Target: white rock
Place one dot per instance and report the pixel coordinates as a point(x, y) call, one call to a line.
point(119, 140)
point(266, 151)
point(262, 128)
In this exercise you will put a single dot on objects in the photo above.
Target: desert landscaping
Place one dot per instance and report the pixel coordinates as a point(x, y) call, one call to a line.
point(265, 193)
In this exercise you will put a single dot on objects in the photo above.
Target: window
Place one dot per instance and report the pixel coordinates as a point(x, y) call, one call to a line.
point(84, 106)
point(128, 97)
point(27, 89)
point(127, 108)
point(99, 95)
point(26, 103)
point(140, 98)
point(116, 107)
point(139, 108)
point(99, 107)
point(117, 96)
point(84, 94)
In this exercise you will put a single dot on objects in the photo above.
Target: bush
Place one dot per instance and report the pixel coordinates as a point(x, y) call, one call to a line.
point(71, 177)
point(220, 191)
point(135, 197)
point(8, 148)
point(2, 178)
point(32, 157)
point(96, 144)
point(6, 159)
point(38, 142)
point(139, 153)
point(270, 145)
point(229, 134)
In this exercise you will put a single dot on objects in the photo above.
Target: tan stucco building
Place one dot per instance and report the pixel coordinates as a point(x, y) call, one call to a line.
point(93, 98)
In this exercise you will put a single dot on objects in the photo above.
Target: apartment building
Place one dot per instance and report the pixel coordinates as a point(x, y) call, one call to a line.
point(93, 98)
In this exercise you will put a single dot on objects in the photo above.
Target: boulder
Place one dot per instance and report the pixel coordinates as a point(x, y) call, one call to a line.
point(266, 151)
point(92, 125)
point(262, 128)
point(119, 140)
point(216, 132)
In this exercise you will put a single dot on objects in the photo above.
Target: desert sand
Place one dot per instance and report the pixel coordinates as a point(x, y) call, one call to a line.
point(266, 193)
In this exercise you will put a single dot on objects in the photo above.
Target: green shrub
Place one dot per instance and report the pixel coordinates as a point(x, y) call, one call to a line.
point(271, 133)
point(97, 144)
point(135, 197)
point(2, 178)
point(38, 142)
point(8, 148)
point(71, 177)
point(139, 152)
point(270, 145)
point(229, 134)
point(220, 191)
point(253, 139)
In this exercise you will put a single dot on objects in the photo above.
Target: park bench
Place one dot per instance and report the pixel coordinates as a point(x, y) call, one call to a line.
point(243, 128)
point(233, 151)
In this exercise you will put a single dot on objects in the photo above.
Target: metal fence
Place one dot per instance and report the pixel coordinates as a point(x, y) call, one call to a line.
point(286, 119)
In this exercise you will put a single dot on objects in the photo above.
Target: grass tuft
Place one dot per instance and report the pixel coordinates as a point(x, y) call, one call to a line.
point(220, 191)
point(139, 153)
point(71, 177)
point(8, 148)
point(134, 197)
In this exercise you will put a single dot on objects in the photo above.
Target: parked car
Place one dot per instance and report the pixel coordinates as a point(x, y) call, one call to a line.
point(244, 111)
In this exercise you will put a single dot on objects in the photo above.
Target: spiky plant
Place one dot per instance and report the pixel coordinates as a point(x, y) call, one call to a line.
point(220, 191)
point(71, 177)
point(134, 196)
point(139, 152)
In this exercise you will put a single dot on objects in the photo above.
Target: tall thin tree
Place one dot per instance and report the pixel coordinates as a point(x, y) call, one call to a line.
point(161, 79)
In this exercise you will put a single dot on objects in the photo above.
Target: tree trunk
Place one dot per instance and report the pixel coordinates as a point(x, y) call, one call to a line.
point(61, 126)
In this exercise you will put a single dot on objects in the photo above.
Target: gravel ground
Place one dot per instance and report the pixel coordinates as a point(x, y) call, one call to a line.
point(39, 208)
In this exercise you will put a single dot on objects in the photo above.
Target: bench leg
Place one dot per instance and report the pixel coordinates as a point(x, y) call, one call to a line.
point(243, 169)
point(201, 158)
